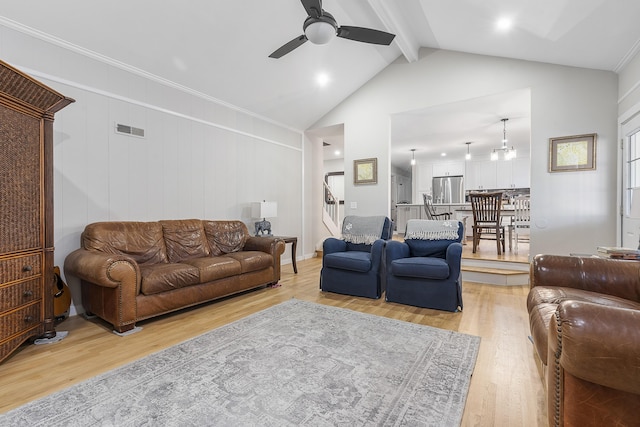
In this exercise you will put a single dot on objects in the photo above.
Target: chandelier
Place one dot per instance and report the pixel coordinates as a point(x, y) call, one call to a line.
point(509, 153)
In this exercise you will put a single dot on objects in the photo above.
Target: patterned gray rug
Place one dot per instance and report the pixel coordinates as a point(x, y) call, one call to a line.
point(297, 363)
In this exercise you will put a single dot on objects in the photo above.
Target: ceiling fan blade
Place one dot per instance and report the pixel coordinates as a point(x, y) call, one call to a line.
point(366, 35)
point(288, 47)
point(313, 7)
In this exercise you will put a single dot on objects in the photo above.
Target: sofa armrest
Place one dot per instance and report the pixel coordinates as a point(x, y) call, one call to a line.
point(331, 245)
point(396, 250)
point(377, 251)
point(597, 343)
point(107, 270)
point(271, 245)
point(606, 276)
point(454, 257)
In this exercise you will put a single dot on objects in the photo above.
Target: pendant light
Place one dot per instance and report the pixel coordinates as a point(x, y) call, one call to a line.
point(413, 157)
point(509, 153)
point(468, 155)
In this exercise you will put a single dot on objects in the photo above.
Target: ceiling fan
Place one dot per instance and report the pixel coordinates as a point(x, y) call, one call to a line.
point(320, 27)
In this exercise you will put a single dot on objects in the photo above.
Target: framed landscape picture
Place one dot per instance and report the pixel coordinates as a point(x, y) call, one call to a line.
point(365, 171)
point(572, 153)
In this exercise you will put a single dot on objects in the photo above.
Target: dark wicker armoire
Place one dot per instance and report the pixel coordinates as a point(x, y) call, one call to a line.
point(27, 108)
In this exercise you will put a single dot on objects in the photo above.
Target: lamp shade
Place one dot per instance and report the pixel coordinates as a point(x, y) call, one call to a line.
point(320, 32)
point(264, 209)
point(634, 210)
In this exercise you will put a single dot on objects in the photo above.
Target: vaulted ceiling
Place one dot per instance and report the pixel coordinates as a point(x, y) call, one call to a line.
point(220, 48)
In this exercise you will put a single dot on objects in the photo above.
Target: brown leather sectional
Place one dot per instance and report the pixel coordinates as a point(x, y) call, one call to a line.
point(131, 271)
point(584, 315)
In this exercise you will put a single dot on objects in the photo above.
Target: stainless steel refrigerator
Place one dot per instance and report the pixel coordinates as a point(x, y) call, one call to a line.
point(448, 189)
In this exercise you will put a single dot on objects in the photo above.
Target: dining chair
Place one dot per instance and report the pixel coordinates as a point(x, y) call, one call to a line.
point(521, 220)
point(430, 211)
point(487, 220)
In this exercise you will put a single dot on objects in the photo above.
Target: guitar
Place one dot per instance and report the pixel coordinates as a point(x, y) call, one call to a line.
point(61, 297)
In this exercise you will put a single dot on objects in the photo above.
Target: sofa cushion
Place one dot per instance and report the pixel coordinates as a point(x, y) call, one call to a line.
point(142, 241)
point(214, 268)
point(350, 260)
point(252, 260)
point(165, 277)
point(421, 267)
point(184, 239)
point(225, 236)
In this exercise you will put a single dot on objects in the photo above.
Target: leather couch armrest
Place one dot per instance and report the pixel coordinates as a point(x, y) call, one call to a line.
point(606, 276)
point(270, 245)
point(597, 343)
point(103, 269)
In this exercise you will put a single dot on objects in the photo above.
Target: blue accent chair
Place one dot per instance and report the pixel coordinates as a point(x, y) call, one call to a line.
point(425, 273)
point(354, 269)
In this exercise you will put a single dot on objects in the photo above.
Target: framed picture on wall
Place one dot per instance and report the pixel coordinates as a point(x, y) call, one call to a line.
point(365, 171)
point(572, 153)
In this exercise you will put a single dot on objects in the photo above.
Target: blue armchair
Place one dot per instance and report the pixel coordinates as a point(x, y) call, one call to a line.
point(353, 265)
point(424, 270)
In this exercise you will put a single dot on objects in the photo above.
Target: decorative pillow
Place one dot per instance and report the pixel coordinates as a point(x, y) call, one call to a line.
point(184, 239)
point(225, 236)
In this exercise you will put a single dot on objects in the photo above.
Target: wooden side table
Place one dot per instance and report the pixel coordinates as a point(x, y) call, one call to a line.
point(294, 244)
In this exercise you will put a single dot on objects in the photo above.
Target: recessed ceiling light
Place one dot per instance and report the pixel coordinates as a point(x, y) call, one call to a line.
point(322, 79)
point(443, 154)
point(504, 24)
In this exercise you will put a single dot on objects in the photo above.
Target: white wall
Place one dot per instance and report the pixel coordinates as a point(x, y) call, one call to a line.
point(199, 159)
point(629, 87)
point(571, 211)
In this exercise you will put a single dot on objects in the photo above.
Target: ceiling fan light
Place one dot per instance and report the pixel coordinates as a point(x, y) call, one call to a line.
point(494, 155)
point(320, 32)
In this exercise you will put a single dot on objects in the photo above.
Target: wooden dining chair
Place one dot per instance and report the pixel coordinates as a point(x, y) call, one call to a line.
point(430, 211)
point(487, 222)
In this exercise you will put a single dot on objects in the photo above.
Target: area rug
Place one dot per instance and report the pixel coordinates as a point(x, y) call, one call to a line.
point(297, 363)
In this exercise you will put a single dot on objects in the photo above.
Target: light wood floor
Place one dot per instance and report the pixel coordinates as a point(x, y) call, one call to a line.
point(505, 390)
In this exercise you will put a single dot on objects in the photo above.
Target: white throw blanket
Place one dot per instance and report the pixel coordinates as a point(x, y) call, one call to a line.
point(362, 229)
point(424, 229)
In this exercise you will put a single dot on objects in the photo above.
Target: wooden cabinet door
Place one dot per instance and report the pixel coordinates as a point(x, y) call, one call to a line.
point(20, 182)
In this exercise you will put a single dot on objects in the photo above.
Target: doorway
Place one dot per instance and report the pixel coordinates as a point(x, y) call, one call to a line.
point(630, 230)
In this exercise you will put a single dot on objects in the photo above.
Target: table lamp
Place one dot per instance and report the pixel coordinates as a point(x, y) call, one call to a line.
point(264, 210)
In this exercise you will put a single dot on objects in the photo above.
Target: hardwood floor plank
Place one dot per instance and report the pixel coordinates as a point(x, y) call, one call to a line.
point(505, 388)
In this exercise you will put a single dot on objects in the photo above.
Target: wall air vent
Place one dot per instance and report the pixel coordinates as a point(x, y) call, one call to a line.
point(129, 130)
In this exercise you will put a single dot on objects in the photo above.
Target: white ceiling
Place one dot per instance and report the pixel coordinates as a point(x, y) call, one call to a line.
point(220, 47)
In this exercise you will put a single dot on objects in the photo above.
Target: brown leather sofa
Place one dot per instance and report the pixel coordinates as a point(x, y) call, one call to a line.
point(131, 271)
point(584, 315)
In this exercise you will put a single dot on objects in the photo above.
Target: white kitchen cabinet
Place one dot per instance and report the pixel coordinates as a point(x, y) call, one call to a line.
point(504, 170)
point(521, 172)
point(424, 179)
point(448, 169)
point(481, 175)
point(513, 173)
